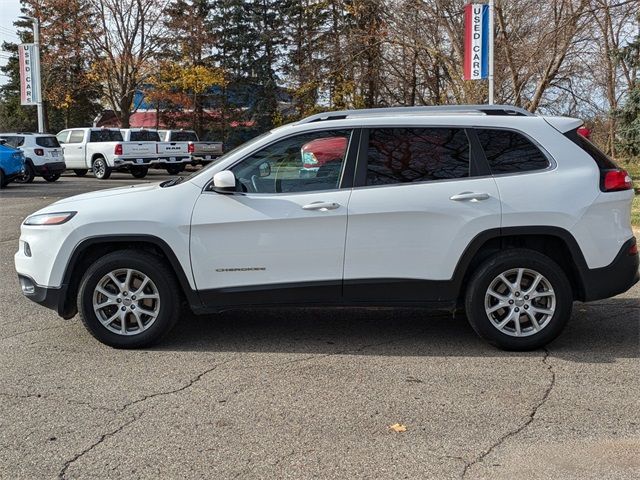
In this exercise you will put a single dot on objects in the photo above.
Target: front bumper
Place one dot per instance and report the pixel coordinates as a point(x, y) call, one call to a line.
point(53, 298)
point(614, 279)
point(50, 168)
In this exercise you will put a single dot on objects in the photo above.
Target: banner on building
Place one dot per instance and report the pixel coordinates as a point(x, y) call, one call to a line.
point(476, 41)
point(29, 74)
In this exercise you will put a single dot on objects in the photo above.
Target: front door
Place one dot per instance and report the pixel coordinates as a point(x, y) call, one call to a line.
point(280, 237)
point(74, 150)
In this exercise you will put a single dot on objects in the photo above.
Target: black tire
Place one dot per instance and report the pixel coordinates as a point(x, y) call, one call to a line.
point(28, 176)
point(157, 271)
point(174, 169)
point(139, 172)
point(52, 177)
point(101, 170)
point(80, 172)
point(489, 271)
point(3, 179)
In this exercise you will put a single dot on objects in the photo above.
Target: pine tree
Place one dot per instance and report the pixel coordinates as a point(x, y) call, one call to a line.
point(629, 114)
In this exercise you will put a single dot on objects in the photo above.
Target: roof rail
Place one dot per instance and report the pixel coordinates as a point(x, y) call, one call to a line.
point(386, 111)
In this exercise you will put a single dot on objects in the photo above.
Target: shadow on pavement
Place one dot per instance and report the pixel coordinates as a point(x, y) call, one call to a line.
point(597, 333)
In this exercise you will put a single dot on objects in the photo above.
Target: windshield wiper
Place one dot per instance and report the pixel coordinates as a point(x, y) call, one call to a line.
point(172, 182)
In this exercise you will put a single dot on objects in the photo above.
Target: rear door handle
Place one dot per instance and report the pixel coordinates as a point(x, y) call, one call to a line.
point(322, 206)
point(469, 196)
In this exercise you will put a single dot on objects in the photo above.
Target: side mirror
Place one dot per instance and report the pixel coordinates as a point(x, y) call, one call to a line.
point(264, 169)
point(224, 182)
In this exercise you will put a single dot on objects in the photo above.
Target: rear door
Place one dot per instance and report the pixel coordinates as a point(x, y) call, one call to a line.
point(74, 149)
point(421, 196)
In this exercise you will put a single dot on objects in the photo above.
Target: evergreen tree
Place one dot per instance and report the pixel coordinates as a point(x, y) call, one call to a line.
point(629, 114)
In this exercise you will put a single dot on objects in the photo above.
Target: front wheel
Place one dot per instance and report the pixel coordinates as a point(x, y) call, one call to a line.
point(101, 170)
point(3, 179)
point(28, 175)
point(519, 300)
point(129, 299)
point(52, 177)
point(139, 172)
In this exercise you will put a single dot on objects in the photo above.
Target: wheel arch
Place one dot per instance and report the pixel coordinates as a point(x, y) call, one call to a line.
point(554, 242)
point(89, 250)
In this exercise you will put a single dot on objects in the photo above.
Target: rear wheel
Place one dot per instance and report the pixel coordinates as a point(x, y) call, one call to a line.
point(28, 175)
point(80, 172)
point(101, 170)
point(52, 177)
point(174, 169)
point(139, 172)
point(519, 300)
point(129, 299)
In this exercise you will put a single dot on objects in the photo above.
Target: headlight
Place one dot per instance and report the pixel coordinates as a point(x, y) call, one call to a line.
point(57, 218)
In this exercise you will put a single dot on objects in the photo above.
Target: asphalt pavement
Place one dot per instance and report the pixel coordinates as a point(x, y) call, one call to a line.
point(297, 394)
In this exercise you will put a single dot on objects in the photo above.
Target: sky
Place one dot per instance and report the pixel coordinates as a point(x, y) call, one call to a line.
point(9, 11)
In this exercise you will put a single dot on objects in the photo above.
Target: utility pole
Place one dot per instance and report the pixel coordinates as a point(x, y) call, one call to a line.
point(36, 41)
point(491, 11)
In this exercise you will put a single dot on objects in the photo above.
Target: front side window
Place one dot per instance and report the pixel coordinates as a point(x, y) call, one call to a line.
point(510, 152)
point(63, 136)
point(303, 163)
point(76, 136)
point(404, 155)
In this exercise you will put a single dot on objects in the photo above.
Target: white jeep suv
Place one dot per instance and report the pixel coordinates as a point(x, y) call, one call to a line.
point(508, 215)
point(43, 155)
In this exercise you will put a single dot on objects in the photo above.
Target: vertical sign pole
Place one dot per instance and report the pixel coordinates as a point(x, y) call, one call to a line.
point(491, 7)
point(36, 41)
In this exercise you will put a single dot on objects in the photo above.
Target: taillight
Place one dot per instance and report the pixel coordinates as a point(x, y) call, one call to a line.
point(616, 180)
point(38, 151)
point(118, 149)
point(634, 249)
point(191, 148)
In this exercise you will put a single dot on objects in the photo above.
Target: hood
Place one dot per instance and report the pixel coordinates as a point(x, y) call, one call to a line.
point(128, 190)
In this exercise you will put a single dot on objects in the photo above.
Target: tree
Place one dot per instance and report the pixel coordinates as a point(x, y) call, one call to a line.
point(127, 35)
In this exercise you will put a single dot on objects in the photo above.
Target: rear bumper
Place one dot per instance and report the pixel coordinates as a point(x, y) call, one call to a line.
point(201, 158)
point(171, 160)
point(49, 168)
point(614, 279)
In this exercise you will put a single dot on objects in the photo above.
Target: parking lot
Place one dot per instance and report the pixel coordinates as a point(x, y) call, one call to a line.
point(310, 393)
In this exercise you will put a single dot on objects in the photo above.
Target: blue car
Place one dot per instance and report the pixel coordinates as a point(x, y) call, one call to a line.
point(11, 164)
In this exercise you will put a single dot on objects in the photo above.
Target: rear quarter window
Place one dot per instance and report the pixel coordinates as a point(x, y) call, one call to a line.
point(510, 152)
point(47, 142)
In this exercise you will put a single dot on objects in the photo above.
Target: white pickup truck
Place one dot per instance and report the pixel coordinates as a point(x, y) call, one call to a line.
point(173, 156)
point(103, 150)
point(201, 152)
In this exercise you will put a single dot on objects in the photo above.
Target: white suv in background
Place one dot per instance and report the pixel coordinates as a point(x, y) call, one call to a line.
point(42, 152)
point(508, 215)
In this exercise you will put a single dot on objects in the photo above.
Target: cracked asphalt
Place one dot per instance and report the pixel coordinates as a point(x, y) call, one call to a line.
point(296, 394)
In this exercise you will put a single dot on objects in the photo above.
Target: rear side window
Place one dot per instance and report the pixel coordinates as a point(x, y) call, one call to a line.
point(47, 142)
point(105, 136)
point(13, 141)
point(403, 155)
point(510, 152)
point(183, 137)
point(144, 136)
point(76, 136)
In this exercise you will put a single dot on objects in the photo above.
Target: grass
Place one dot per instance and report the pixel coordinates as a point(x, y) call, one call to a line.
point(634, 170)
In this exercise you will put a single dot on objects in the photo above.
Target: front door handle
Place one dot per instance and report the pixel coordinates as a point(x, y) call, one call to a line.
point(322, 206)
point(472, 196)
